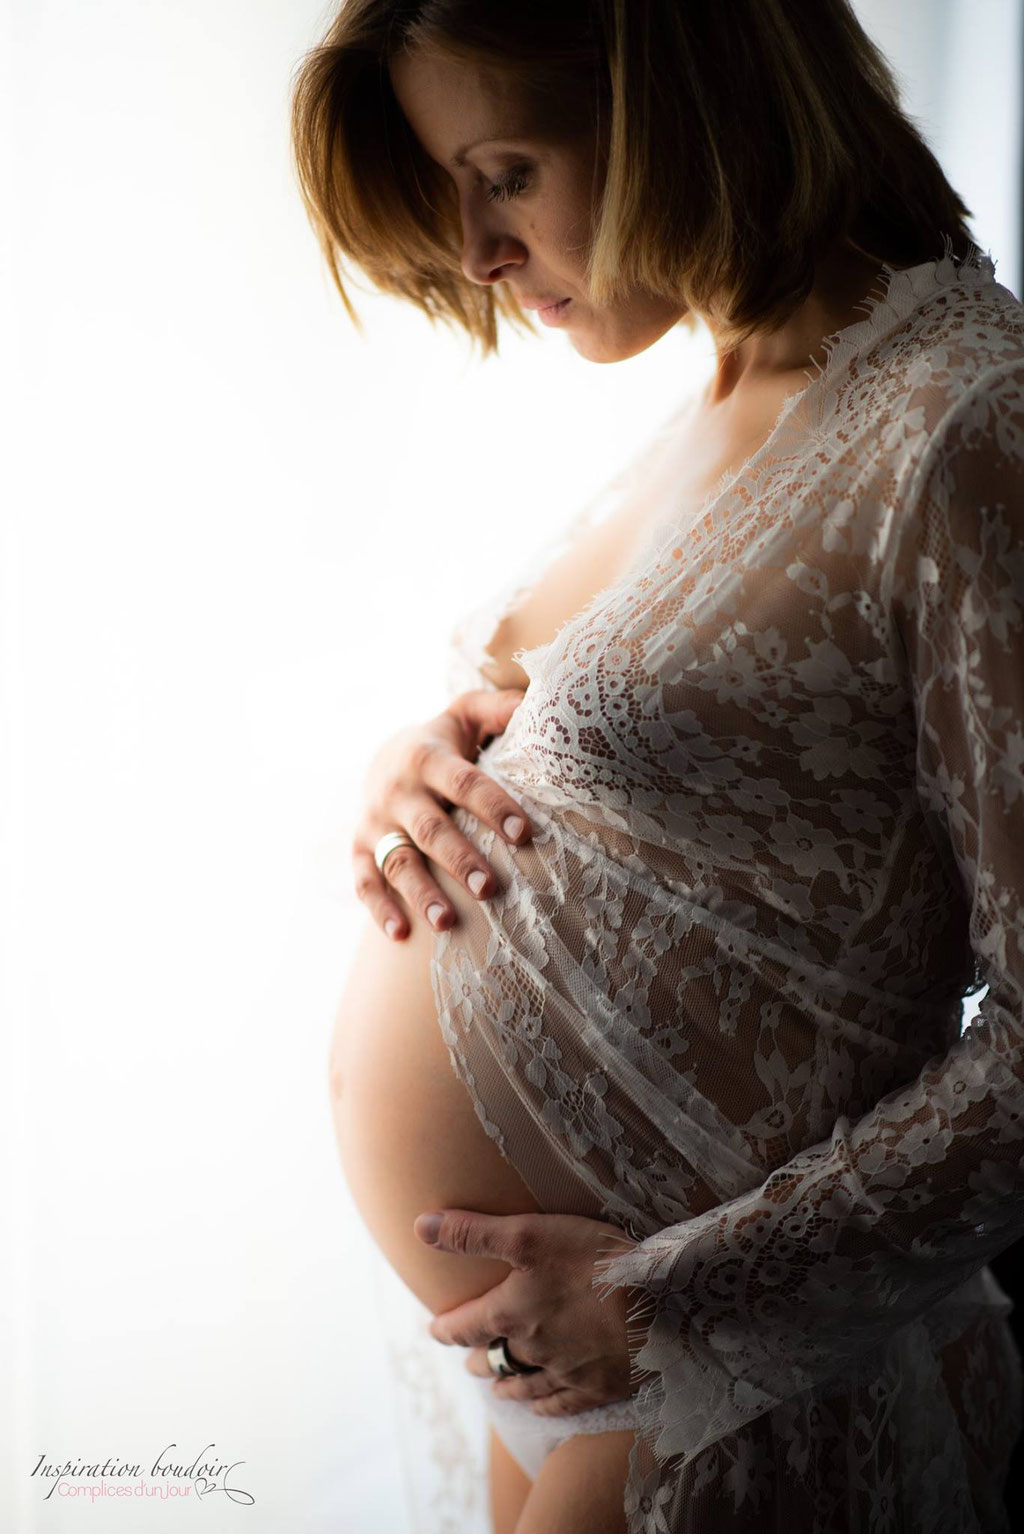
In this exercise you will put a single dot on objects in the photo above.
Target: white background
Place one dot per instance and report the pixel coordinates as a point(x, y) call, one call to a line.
point(236, 541)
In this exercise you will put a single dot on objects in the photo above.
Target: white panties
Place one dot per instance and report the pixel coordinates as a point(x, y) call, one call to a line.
point(530, 1438)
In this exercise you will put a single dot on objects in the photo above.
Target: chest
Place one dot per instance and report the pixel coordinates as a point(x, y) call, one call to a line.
point(753, 650)
point(714, 443)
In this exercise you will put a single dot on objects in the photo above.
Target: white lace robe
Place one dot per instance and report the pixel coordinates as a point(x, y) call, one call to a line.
point(776, 779)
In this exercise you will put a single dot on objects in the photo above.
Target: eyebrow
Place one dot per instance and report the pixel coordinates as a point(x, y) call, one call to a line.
point(459, 157)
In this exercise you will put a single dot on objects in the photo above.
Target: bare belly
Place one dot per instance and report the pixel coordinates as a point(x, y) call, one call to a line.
point(407, 1132)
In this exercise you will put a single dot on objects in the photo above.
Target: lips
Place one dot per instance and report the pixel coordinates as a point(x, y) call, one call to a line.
point(540, 303)
point(555, 314)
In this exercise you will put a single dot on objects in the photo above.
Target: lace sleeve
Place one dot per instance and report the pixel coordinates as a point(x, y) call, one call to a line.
point(788, 1285)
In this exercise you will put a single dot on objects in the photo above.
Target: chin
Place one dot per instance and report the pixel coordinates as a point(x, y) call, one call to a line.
point(624, 335)
point(597, 350)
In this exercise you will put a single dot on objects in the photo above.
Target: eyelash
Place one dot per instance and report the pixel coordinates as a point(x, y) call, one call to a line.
point(510, 185)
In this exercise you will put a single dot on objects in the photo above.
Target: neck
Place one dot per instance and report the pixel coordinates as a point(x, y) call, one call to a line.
point(842, 282)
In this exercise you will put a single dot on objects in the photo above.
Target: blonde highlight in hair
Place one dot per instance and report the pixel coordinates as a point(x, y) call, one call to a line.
point(740, 141)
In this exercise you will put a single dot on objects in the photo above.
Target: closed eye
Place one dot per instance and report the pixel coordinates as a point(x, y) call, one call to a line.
point(510, 185)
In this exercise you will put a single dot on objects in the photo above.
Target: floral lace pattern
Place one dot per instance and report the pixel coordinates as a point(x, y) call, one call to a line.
point(777, 783)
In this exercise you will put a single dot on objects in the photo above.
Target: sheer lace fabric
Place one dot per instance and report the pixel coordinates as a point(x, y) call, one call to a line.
point(776, 775)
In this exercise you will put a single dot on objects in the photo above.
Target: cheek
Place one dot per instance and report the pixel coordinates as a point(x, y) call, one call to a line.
point(571, 237)
point(564, 223)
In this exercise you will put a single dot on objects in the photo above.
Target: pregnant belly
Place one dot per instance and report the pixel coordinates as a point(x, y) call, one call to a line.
point(407, 1132)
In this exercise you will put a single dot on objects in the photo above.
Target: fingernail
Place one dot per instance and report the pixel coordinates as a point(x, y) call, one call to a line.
point(391, 926)
point(512, 827)
point(477, 880)
point(428, 1227)
point(434, 913)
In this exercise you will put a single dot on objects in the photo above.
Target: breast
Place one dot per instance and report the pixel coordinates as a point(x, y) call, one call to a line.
point(407, 1132)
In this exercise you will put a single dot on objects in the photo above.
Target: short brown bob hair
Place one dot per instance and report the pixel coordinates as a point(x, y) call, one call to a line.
point(741, 141)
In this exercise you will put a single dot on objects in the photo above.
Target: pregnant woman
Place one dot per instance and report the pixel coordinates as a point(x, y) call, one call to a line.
point(690, 1053)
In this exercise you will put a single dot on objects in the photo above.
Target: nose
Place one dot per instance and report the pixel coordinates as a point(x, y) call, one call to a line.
point(489, 251)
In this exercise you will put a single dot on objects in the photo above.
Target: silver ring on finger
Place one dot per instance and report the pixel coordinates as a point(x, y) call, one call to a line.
point(502, 1364)
point(387, 844)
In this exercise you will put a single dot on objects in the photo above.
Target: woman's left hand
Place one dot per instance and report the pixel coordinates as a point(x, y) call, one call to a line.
point(546, 1307)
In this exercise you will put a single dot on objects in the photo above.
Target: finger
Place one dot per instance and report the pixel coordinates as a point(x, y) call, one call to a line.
point(476, 1363)
point(476, 1323)
point(405, 871)
point(523, 1387)
point(484, 712)
point(529, 1385)
point(559, 1403)
point(510, 1237)
point(460, 782)
point(440, 840)
point(376, 894)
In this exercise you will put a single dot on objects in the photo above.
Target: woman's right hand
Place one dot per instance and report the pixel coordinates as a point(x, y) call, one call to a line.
point(412, 783)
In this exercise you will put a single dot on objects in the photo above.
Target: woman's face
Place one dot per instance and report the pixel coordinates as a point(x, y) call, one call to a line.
point(528, 205)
